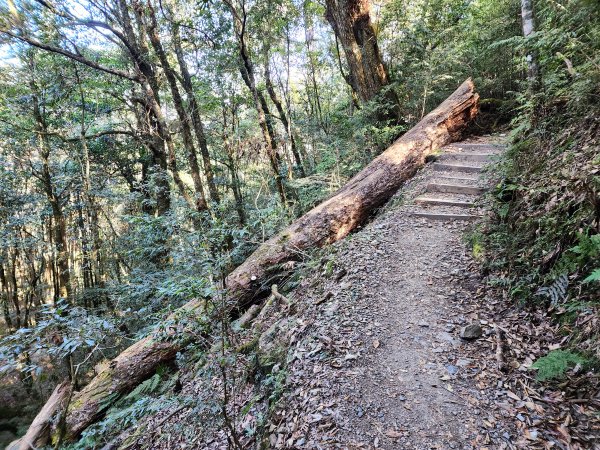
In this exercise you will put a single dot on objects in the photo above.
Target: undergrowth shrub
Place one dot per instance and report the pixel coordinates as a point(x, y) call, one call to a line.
point(544, 242)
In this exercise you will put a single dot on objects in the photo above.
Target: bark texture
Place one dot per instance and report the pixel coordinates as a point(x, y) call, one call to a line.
point(330, 221)
point(352, 25)
point(528, 30)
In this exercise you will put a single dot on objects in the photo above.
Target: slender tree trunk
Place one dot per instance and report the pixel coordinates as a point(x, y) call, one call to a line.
point(264, 119)
point(282, 115)
point(59, 226)
point(94, 257)
point(86, 262)
point(14, 287)
point(528, 30)
point(233, 167)
point(193, 110)
point(5, 296)
point(188, 142)
point(316, 96)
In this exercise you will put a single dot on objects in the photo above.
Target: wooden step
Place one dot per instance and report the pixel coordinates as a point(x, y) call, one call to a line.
point(447, 217)
point(456, 168)
point(492, 148)
point(455, 189)
point(449, 179)
point(475, 157)
point(435, 201)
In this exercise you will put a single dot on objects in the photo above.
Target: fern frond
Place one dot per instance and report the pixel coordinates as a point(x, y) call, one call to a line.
point(594, 276)
point(557, 291)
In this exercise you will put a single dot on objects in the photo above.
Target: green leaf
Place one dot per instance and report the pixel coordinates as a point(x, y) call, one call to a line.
point(594, 276)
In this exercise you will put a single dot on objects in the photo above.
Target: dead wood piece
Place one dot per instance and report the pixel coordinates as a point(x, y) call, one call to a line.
point(247, 317)
point(280, 297)
point(38, 432)
point(499, 348)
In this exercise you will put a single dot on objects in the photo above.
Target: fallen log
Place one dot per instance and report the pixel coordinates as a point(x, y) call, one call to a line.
point(328, 222)
point(38, 433)
point(370, 188)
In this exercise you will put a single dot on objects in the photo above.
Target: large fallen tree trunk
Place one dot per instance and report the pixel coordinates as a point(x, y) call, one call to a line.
point(326, 223)
point(351, 205)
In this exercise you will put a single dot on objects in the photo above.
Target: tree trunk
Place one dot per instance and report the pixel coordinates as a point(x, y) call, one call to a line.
point(264, 121)
point(330, 221)
point(5, 296)
point(312, 64)
point(264, 117)
point(352, 25)
point(282, 115)
point(38, 433)
point(193, 110)
point(528, 29)
point(59, 226)
point(232, 165)
point(188, 143)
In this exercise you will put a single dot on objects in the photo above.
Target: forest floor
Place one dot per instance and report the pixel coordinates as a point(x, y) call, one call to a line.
point(402, 377)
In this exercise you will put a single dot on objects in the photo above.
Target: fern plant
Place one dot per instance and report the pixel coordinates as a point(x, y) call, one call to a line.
point(594, 276)
point(557, 291)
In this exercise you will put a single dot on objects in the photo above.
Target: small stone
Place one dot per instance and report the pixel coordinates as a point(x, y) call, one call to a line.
point(471, 332)
point(452, 370)
point(463, 362)
point(423, 324)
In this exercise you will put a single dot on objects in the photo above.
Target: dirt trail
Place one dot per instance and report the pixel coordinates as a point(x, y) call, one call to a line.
point(381, 363)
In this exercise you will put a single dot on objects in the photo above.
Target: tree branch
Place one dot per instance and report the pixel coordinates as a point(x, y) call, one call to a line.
point(71, 55)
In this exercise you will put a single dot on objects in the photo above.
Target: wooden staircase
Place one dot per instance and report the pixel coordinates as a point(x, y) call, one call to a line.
point(456, 182)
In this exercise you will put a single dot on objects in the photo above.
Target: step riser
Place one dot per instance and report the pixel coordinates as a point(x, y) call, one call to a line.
point(443, 202)
point(456, 168)
point(455, 189)
point(456, 180)
point(482, 148)
point(475, 157)
point(446, 217)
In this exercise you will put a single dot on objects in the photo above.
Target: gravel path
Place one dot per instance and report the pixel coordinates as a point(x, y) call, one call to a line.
point(381, 363)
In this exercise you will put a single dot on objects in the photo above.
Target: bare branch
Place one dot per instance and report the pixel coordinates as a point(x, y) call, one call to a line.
point(79, 58)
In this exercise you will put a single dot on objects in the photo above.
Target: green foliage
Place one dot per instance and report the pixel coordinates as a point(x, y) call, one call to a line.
point(543, 243)
point(149, 397)
point(62, 332)
point(435, 45)
point(556, 363)
point(594, 276)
